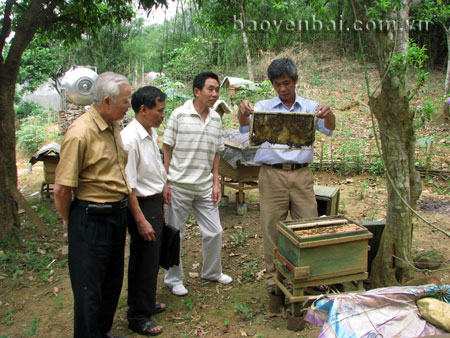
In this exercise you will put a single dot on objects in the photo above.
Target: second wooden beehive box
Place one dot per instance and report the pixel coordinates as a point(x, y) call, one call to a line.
point(322, 247)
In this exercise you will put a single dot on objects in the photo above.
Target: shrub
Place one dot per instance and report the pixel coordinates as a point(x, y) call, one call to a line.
point(31, 135)
point(194, 57)
point(26, 109)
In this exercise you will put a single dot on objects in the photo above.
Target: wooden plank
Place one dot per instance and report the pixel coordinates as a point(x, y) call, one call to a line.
point(236, 186)
point(233, 144)
point(322, 281)
point(289, 235)
point(314, 224)
point(302, 272)
point(34, 217)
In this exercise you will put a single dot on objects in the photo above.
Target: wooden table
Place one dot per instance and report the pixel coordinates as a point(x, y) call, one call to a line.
point(241, 178)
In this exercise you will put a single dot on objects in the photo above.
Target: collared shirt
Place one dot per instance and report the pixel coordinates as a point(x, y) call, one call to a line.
point(195, 144)
point(274, 156)
point(145, 170)
point(92, 160)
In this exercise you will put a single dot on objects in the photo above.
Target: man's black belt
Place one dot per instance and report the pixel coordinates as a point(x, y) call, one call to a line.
point(149, 197)
point(115, 205)
point(288, 166)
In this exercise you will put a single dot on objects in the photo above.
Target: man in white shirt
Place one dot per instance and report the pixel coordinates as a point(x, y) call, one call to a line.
point(191, 142)
point(147, 177)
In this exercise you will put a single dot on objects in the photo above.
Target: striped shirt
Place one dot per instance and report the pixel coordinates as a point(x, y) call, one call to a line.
point(195, 143)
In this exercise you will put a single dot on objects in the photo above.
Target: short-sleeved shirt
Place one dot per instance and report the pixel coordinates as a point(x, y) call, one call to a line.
point(145, 170)
point(195, 144)
point(274, 156)
point(92, 160)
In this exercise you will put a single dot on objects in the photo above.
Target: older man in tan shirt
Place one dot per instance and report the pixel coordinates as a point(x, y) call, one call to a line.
point(92, 164)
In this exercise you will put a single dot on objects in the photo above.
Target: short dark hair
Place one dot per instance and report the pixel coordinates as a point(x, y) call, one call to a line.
point(200, 79)
point(147, 96)
point(282, 67)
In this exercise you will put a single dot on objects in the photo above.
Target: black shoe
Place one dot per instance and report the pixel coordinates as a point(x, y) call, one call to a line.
point(159, 308)
point(145, 328)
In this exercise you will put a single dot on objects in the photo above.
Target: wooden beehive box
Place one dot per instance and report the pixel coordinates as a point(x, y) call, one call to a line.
point(296, 130)
point(50, 163)
point(327, 199)
point(322, 247)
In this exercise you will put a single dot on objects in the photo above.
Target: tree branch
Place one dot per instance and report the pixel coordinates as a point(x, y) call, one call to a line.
point(6, 25)
point(34, 17)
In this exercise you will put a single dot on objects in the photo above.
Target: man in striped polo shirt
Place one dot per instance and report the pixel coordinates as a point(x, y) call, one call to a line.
point(191, 142)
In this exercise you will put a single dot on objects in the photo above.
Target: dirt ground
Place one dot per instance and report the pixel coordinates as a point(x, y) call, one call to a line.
point(236, 310)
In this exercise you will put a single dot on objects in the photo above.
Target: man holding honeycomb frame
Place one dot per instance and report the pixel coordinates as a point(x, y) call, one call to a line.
point(285, 180)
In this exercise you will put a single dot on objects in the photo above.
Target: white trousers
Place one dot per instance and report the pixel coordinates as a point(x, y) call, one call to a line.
point(207, 214)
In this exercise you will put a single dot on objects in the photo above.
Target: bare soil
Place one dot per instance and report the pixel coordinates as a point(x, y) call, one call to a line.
point(236, 310)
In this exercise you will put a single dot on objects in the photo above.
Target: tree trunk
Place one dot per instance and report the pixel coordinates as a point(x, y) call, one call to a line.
point(8, 170)
point(244, 38)
point(247, 54)
point(391, 266)
point(31, 19)
point(391, 108)
point(446, 110)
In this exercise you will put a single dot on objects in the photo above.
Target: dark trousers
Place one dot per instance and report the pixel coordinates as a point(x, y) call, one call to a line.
point(96, 262)
point(144, 262)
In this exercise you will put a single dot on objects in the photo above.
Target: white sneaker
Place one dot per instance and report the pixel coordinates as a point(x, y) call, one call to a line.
point(178, 290)
point(225, 279)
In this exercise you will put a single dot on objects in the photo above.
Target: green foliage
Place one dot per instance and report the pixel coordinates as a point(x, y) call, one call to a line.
point(380, 8)
point(27, 108)
point(31, 328)
point(415, 59)
point(39, 63)
point(31, 255)
point(59, 302)
point(31, 135)
point(362, 191)
point(112, 48)
point(192, 58)
point(351, 158)
point(254, 91)
point(250, 270)
point(425, 112)
point(424, 142)
point(243, 311)
point(189, 302)
point(9, 317)
point(239, 237)
point(377, 168)
point(48, 214)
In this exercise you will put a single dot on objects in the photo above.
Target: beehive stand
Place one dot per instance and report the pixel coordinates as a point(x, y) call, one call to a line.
point(50, 163)
point(315, 252)
point(241, 178)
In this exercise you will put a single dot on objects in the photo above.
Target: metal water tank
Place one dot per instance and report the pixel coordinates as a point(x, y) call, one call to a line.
point(77, 83)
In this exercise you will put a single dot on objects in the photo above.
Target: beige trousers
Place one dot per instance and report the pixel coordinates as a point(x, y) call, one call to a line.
point(279, 192)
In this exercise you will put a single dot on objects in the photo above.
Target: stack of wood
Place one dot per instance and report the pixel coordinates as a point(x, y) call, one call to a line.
point(66, 117)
